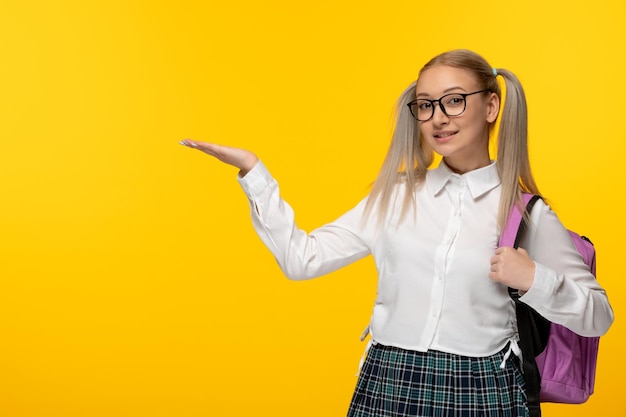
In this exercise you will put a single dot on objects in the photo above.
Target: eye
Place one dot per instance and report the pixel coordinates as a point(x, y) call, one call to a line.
point(424, 105)
point(454, 100)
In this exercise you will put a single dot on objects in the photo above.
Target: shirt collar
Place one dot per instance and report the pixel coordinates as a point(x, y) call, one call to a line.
point(479, 181)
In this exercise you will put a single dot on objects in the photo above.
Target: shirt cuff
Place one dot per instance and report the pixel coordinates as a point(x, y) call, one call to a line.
point(543, 286)
point(256, 180)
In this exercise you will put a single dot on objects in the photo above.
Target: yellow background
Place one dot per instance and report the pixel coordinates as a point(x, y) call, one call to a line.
point(131, 281)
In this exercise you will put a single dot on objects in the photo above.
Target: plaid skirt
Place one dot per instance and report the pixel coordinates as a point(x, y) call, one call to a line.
point(396, 382)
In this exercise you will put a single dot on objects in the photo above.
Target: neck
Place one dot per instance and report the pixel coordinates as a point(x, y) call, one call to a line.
point(462, 167)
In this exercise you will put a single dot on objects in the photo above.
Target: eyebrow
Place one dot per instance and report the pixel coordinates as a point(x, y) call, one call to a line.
point(446, 91)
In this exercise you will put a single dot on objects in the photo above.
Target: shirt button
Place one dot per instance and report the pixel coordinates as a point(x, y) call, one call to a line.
point(434, 314)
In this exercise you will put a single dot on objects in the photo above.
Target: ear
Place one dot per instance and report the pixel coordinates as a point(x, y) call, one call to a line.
point(493, 108)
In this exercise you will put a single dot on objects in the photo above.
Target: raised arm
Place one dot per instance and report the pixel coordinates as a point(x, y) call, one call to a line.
point(301, 255)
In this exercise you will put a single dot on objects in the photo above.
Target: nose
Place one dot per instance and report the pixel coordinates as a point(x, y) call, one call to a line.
point(439, 115)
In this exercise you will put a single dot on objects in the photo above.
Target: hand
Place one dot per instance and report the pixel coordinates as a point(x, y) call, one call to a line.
point(513, 268)
point(240, 158)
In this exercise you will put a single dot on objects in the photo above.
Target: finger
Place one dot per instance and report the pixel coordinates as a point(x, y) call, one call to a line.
point(189, 143)
point(499, 253)
point(504, 249)
point(194, 144)
point(206, 147)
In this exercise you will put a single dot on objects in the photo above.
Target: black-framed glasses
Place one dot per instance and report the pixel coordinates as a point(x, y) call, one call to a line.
point(451, 105)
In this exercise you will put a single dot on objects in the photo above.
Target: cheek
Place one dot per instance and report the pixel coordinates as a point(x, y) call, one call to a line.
point(474, 121)
point(425, 129)
point(427, 139)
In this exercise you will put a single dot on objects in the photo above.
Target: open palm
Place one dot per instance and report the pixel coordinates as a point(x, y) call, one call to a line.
point(237, 157)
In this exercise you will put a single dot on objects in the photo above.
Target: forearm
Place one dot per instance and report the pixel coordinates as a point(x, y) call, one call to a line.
point(301, 255)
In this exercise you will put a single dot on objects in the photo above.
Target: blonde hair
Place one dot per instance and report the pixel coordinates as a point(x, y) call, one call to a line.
point(409, 157)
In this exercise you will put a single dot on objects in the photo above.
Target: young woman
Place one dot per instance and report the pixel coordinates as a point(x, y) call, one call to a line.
point(443, 328)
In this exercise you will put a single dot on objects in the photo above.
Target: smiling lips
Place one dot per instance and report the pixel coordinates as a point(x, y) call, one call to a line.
point(443, 135)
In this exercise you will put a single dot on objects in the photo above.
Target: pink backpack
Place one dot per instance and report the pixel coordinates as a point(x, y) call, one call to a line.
point(559, 365)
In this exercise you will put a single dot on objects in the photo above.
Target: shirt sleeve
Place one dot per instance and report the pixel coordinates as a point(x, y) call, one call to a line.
point(564, 290)
point(301, 255)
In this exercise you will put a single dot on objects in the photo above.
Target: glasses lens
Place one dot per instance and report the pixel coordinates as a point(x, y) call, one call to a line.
point(422, 110)
point(454, 104)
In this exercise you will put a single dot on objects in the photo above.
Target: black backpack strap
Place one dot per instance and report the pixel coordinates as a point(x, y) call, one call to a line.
point(533, 331)
point(532, 378)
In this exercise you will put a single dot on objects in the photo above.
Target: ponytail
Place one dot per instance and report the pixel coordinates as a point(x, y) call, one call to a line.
point(513, 161)
point(406, 163)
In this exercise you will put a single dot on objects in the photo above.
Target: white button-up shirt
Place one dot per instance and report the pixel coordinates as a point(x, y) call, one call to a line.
point(434, 290)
